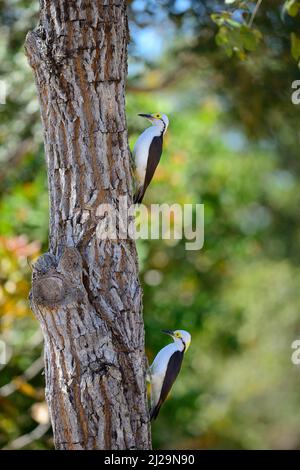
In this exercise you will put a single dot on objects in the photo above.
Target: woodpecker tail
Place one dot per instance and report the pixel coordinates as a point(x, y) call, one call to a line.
point(138, 197)
point(154, 411)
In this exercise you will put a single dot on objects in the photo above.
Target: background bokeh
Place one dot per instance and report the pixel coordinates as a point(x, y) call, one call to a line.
point(233, 144)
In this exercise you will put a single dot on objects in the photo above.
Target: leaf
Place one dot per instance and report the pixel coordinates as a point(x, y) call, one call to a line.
point(250, 38)
point(225, 17)
point(233, 23)
point(292, 7)
point(223, 40)
point(238, 40)
point(220, 18)
point(295, 45)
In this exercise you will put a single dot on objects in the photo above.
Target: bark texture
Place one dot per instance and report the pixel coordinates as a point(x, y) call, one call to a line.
point(85, 292)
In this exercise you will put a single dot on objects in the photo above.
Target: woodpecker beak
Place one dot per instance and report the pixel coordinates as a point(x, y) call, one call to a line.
point(147, 116)
point(168, 332)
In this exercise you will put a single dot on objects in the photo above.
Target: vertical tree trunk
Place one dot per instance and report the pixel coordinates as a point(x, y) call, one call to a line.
point(85, 291)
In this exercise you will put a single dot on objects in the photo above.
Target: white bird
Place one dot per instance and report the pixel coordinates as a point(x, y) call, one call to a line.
point(147, 152)
point(165, 368)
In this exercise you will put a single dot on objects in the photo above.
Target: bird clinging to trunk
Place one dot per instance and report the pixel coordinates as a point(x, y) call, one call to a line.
point(166, 367)
point(147, 152)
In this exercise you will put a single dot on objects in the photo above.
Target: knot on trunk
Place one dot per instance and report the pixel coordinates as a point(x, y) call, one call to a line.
point(70, 262)
point(49, 290)
point(43, 49)
point(57, 282)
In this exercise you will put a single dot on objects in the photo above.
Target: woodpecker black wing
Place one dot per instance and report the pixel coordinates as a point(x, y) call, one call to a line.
point(173, 368)
point(155, 151)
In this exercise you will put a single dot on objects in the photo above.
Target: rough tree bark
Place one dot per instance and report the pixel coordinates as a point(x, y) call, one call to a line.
point(85, 291)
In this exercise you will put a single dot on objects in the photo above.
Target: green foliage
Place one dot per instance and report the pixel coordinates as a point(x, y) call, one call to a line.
point(292, 7)
point(238, 39)
point(234, 36)
point(295, 45)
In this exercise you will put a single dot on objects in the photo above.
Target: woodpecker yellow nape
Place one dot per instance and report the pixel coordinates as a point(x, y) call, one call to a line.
point(166, 367)
point(147, 152)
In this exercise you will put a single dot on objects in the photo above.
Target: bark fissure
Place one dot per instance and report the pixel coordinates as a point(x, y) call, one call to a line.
point(85, 291)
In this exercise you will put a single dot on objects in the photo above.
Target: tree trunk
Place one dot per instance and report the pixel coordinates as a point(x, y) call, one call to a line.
point(85, 291)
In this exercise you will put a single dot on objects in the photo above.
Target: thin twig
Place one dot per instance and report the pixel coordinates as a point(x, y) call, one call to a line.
point(34, 369)
point(259, 2)
point(27, 439)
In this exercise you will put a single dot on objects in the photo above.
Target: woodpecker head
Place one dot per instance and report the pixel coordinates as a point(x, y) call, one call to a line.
point(157, 119)
point(180, 337)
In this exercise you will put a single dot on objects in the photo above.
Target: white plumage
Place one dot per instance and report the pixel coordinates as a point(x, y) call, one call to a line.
point(147, 152)
point(141, 151)
point(165, 368)
point(158, 371)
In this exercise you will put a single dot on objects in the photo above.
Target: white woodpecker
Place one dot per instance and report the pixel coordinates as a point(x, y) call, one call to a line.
point(147, 152)
point(165, 368)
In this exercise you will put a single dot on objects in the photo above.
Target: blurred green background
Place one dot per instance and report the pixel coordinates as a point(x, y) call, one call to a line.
point(233, 145)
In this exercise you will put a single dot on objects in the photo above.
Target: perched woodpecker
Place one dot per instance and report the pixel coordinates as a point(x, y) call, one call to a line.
point(147, 152)
point(166, 367)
